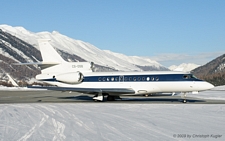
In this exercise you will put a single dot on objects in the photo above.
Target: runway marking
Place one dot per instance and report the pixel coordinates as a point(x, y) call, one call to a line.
point(58, 131)
point(32, 130)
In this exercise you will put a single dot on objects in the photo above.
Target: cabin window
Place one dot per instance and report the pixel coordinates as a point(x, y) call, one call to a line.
point(157, 78)
point(130, 78)
point(107, 78)
point(103, 79)
point(134, 78)
point(143, 78)
point(116, 78)
point(139, 78)
point(153, 78)
point(126, 78)
point(148, 78)
point(112, 79)
point(99, 79)
point(122, 78)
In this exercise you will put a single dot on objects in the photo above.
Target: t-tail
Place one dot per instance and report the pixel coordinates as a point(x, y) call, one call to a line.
point(55, 67)
point(48, 53)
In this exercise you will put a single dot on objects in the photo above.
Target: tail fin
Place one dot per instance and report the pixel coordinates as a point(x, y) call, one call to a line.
point(53, 63)
point(48, 53)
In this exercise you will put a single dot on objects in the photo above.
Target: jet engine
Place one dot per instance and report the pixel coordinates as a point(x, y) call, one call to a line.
point(71, 78)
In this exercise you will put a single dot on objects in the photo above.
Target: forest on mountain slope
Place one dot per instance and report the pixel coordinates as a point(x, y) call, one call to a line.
point(213, 72)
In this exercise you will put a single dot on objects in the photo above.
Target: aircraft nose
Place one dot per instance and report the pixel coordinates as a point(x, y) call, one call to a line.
point(202, 86)
point(208, 85)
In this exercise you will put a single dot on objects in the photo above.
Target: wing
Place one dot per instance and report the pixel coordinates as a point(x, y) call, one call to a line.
point(110, 91)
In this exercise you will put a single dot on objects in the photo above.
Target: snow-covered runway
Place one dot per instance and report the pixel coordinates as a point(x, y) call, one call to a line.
point(111, 121)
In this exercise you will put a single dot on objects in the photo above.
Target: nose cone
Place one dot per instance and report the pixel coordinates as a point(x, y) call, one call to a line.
point(206, 86)
point(202, 86)
point(209, 86)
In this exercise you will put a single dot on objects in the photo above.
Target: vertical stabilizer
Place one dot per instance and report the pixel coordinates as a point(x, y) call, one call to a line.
point(48, 53)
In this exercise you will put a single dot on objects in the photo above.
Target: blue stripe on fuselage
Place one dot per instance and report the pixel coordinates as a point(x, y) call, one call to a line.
point(141, 78)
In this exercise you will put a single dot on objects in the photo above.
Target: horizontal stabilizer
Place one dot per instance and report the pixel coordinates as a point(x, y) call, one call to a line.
point(42, 65)
point(37, 63)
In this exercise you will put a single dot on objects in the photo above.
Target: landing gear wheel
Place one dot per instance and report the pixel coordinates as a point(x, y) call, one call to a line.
point(98, 97)
point(111, 98)
point(97, 100)
point(184, 97)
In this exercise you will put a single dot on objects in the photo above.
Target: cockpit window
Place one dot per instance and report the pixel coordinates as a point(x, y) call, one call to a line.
point(192, 76)
point(185, 76)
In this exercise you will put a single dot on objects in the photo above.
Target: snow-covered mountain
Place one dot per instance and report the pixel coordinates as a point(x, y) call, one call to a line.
point(184, 67)
point(84, 50)
point(20, 45)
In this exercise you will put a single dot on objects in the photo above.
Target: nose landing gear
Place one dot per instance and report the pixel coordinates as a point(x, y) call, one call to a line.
point(184, 97)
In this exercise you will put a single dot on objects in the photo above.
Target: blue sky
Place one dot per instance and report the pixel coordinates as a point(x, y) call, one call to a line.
point(169, 31)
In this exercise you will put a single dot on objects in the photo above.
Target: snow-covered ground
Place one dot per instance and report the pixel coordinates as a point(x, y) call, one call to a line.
point(217, 93)
point(104, 121)
point(111, 121)
point(4, 88)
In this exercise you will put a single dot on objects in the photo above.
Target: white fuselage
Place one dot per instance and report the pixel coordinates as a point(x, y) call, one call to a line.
point(140, 82)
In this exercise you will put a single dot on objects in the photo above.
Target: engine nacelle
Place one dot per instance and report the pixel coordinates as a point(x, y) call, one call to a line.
point(71, 78)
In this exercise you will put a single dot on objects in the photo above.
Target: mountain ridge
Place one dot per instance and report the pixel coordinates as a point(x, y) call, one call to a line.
point(213, 71)
point(14, 50)
point(20, 45)
point(85, 50)
point(187, 67)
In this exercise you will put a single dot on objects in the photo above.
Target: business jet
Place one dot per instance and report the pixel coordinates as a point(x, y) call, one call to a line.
point(79, 77)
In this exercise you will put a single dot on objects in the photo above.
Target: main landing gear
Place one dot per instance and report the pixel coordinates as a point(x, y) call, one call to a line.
point(112, 98)
point(99, 97)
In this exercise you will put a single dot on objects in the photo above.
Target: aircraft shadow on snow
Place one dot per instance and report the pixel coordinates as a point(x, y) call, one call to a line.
point(80, 97)
point(133, 99)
